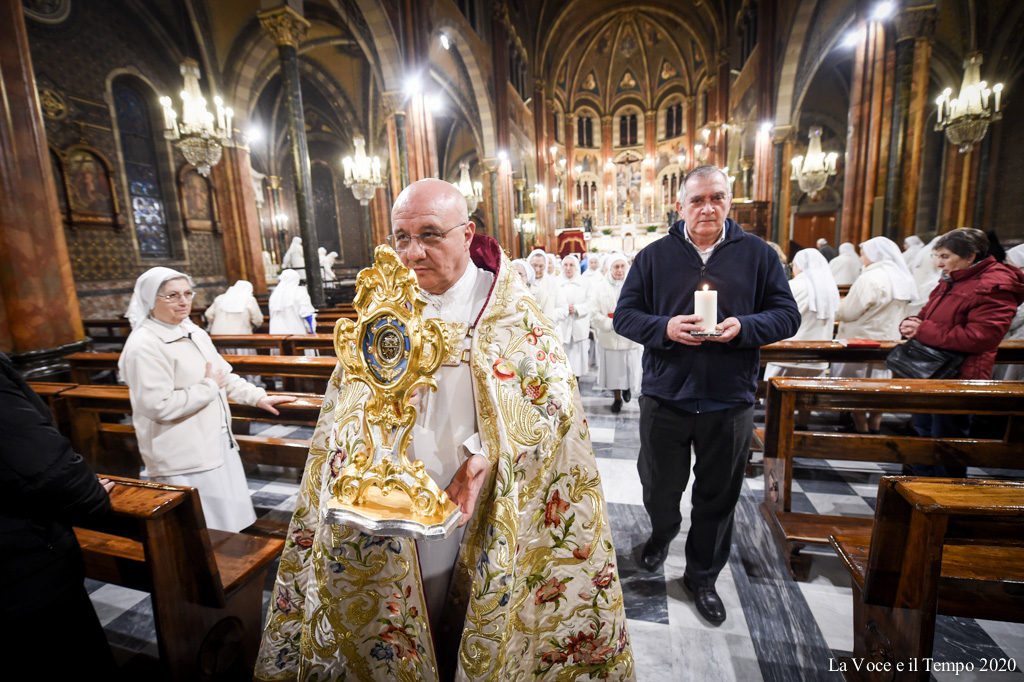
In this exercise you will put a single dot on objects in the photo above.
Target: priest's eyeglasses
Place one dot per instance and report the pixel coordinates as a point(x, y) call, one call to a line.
point(430, 239)
point(177, 296)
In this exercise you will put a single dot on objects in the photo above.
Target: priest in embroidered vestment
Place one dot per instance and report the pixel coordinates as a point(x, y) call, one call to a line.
point(528, 588)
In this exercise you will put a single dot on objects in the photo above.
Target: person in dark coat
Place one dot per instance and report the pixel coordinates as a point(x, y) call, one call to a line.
point(969, 312)
point(45, 488)
point(826, 249)
point(698, 391)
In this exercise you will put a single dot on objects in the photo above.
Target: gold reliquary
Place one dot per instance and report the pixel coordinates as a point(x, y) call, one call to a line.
point(394, 352)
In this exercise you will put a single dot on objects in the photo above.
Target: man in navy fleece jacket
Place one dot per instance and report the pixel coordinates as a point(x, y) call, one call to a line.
point(698, 391)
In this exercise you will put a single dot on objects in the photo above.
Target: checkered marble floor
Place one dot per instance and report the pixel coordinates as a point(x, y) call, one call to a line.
point(777, 628)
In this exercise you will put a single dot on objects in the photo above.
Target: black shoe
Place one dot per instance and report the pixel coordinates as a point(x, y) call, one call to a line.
point(617, 406)
point(654, 555)
point(626, 395)
point(709, 604)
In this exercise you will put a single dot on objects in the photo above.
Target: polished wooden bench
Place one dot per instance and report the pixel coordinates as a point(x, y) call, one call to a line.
point(206, 585)
point(938, 546)
point(1010, 352)
point(783, 444)
point(301, 373)
point(109, 445)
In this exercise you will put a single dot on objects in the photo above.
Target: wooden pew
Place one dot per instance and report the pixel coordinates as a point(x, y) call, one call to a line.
point(262, 343)
point(324, 343)
point(111, 446)
point(301, 374)
point(938, 546)
point(108, 330)
point(1010, 352)
point(793, 531)
point(51, 393)
point(206, 585)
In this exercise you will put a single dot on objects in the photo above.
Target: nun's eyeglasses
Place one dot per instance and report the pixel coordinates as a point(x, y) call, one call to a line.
point(177, 296)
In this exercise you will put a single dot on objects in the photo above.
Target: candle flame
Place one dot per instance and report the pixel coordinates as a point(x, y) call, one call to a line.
point(705, 287)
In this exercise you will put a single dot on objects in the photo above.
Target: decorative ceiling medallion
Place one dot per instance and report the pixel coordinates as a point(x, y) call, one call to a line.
point(53, 104)
point(47, 11)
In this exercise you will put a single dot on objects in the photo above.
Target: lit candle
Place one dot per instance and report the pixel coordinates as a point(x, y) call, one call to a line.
point(998, 89)
point(705, 304)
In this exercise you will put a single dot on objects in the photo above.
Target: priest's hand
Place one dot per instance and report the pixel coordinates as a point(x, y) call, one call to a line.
point(465, 486)
point(679, 327)
point(267, 403)
point(730, 328)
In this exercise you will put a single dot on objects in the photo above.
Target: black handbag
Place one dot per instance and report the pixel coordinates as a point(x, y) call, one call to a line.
point(914, 360)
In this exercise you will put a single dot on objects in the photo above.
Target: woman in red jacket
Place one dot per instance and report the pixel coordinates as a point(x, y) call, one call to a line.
point(969, 312)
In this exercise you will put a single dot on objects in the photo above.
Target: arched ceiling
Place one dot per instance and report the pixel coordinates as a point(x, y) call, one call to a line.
point(610, 51)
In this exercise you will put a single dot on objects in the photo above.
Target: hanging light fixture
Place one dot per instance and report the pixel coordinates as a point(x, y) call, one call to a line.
point(473, 191)
point(199, 136)
point(966, 118)
point(362, 174)
point(813, 170)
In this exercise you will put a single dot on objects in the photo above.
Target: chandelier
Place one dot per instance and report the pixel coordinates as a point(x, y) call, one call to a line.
point(813, 170)
point(362, 174)
point(473, 191)
point(199, 137)
point(966, 118)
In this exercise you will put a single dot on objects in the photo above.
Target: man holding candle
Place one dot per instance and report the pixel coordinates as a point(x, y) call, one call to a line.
point(700, 371)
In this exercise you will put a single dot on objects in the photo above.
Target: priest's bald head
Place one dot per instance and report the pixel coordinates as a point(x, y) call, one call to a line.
point(431, 231)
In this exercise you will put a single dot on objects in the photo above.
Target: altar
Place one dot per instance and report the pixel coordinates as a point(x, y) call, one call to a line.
point(628, 238)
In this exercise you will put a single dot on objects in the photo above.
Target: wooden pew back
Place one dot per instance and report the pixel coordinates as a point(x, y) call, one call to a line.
point(782, 443)
point(206, 585)
point(938, 546)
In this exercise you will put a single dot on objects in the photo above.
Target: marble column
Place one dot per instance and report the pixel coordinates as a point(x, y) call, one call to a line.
point(398, 157)
point(651, 157)
point(691, 130)
point(542, 144)
point(570, 171)
point(39, 316)
point(236, 203)
point(608, 206)
point(864, 137)
point(921, 24)
point(722, 115)
point(288, 28)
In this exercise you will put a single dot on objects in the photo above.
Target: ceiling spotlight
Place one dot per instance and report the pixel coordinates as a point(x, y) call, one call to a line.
point(851, 39)
point(766, 127)
point(446, 43)
point(412, 85)
point(436, 103)
point(502, 155)
point(255, 134)
point(882, 11)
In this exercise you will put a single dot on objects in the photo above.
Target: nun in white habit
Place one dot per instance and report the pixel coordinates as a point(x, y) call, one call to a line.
point(291, 311)
point(294, 258)
point(179, 387)
point(236, 311)
point(576, 326)
point(846, 266)
point(619, 368)
point(911, 245)
point(873, 309)
point(926, 275)
point(1014, 258)
point(545, 289)
point(817, 297)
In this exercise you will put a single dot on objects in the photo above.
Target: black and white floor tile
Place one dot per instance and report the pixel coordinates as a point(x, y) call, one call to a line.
point(777, 629)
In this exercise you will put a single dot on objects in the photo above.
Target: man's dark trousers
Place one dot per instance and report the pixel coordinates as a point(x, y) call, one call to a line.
point(721, 441)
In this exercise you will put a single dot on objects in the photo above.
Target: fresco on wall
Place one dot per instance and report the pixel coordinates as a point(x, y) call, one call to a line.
point(628, 45)
point(627, 82)
point(589, 83)
point(696, 56)
point(560, 80)
point(667, 72)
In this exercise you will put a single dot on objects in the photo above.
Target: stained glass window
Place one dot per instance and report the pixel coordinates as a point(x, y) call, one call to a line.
point(138, 150)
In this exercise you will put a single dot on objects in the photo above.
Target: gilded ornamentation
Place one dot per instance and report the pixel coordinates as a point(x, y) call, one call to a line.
point(53, 104)
point(394, 352)
point(285, 25)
